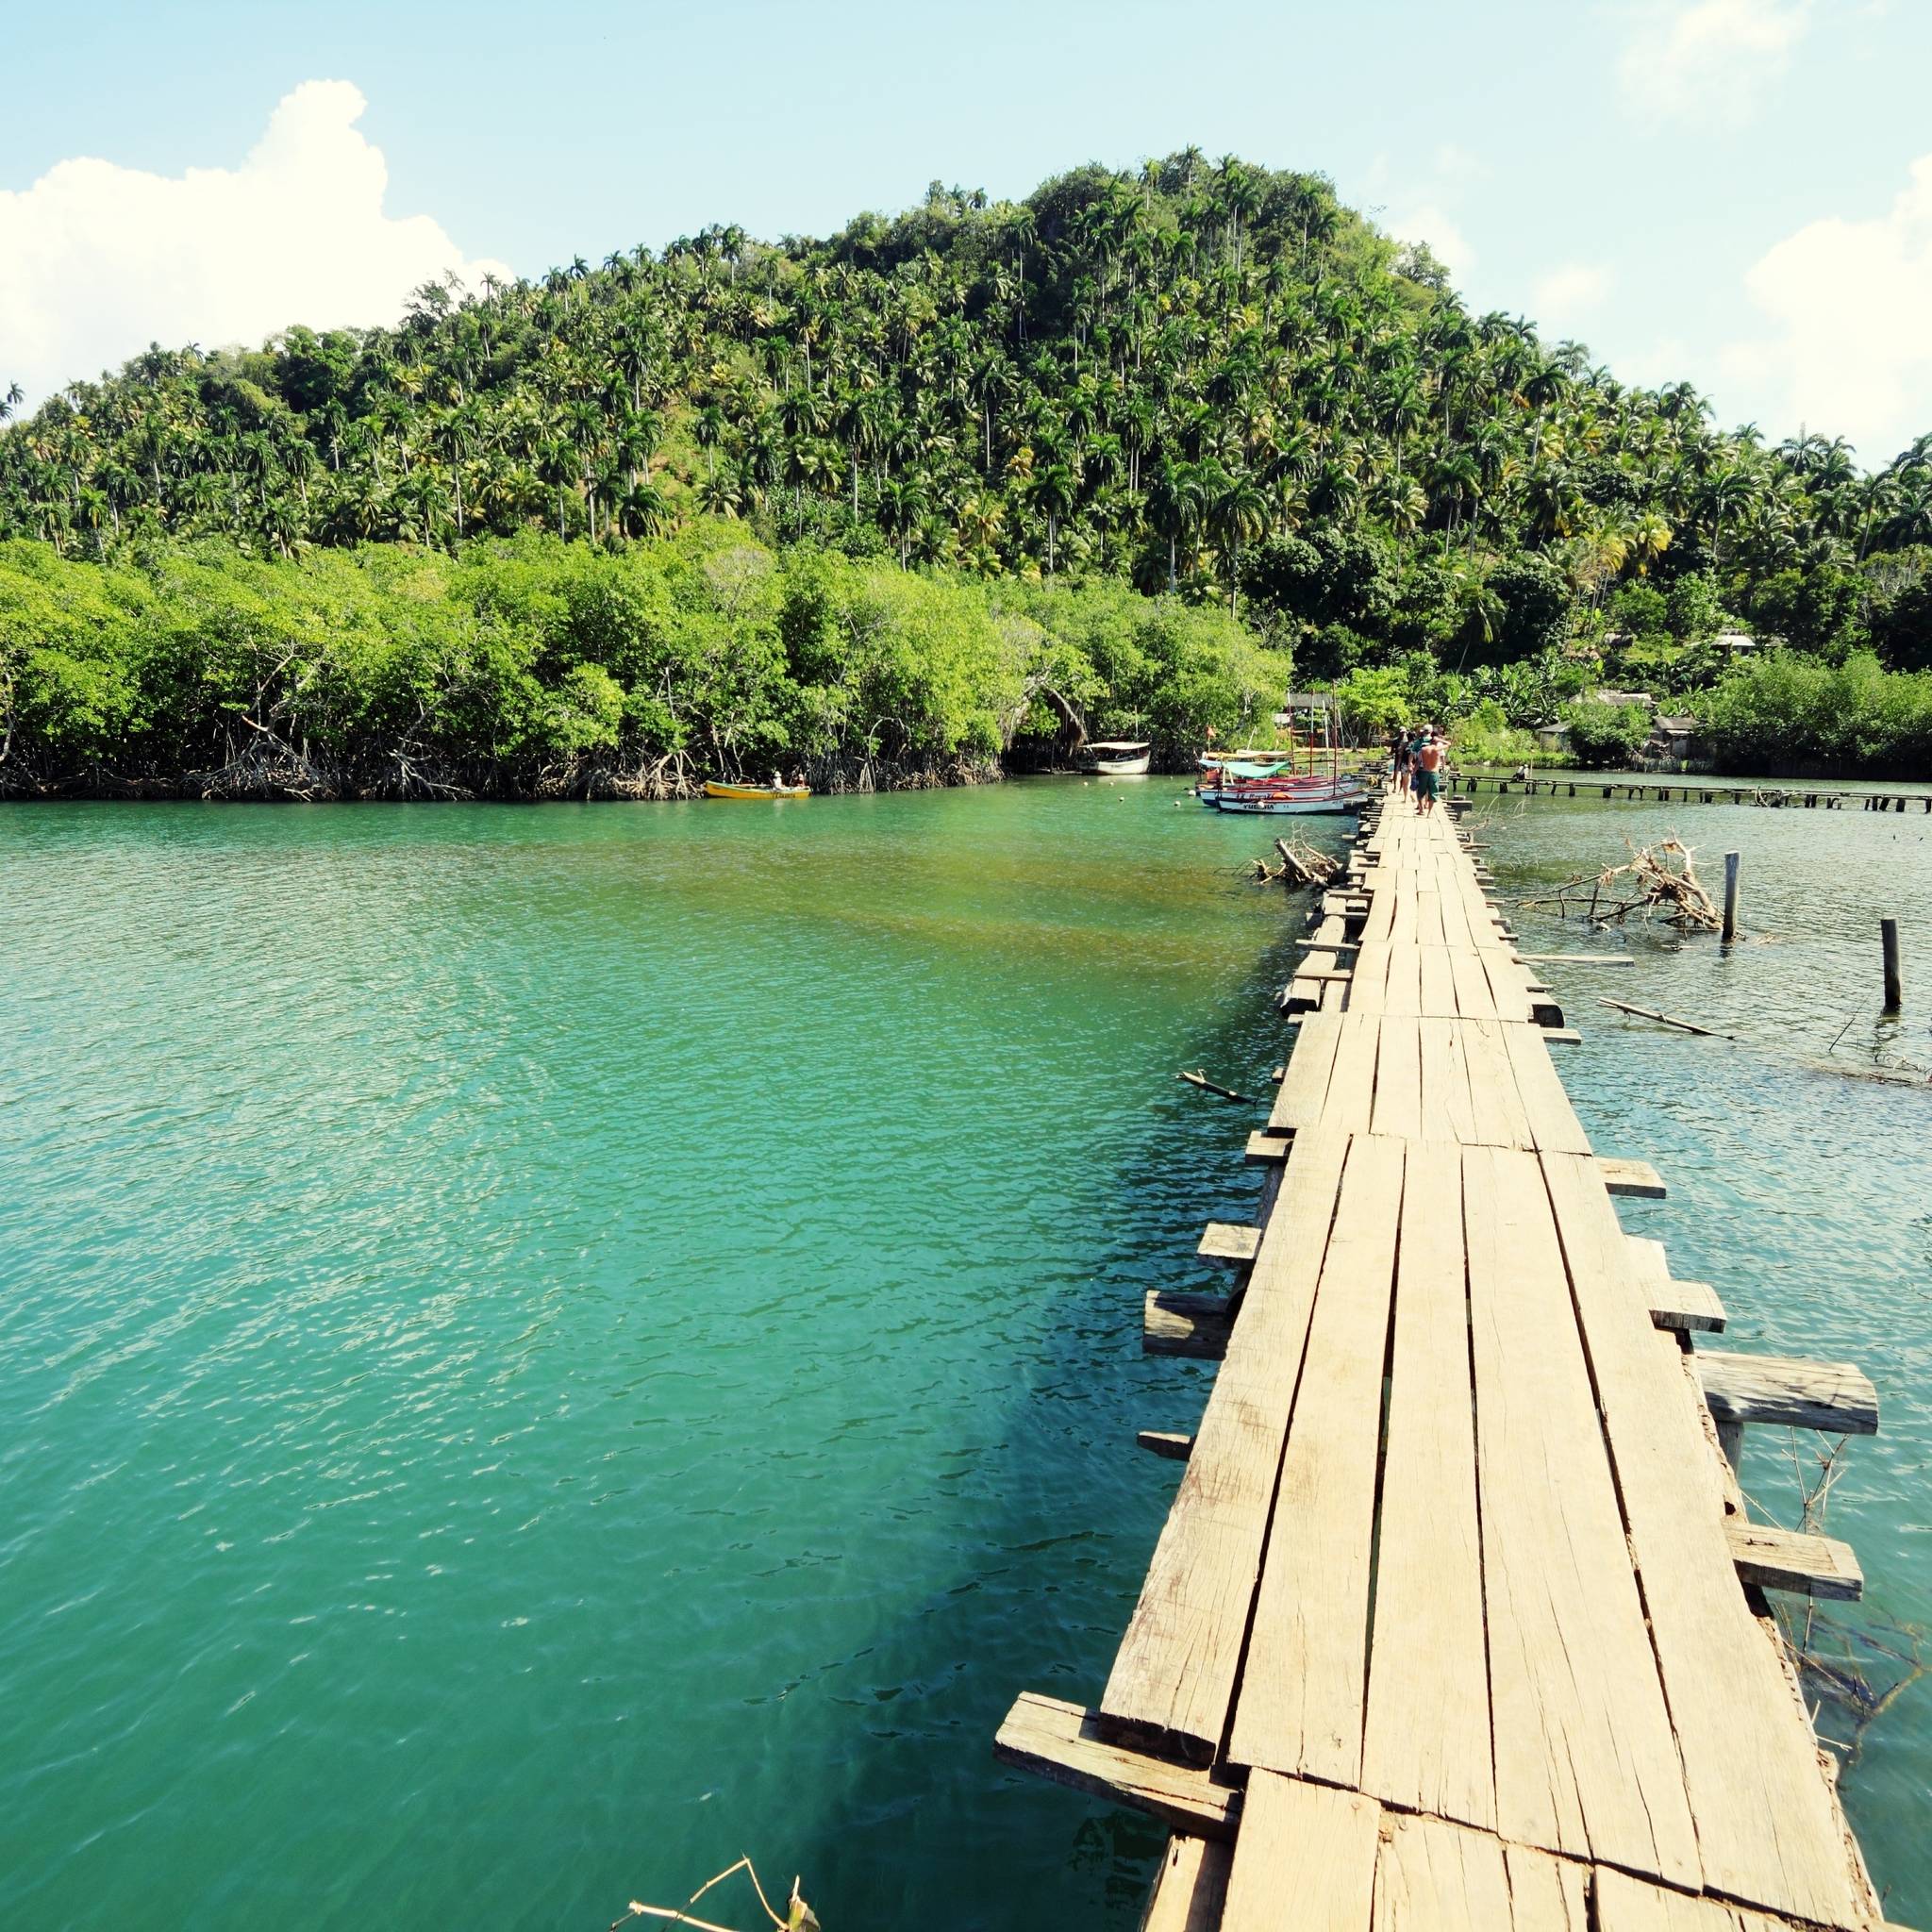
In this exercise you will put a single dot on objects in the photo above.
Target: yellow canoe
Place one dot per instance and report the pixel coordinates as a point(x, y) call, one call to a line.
point(713, 790)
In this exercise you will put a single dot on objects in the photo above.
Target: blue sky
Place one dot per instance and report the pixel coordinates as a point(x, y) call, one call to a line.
point(1718, 190)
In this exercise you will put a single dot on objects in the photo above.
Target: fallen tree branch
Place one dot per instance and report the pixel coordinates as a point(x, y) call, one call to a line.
point(1214, 1087)
point(1686, 1025)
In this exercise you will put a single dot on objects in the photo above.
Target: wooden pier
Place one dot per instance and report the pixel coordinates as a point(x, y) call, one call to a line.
point(1457, 1619)
point(1687, 790)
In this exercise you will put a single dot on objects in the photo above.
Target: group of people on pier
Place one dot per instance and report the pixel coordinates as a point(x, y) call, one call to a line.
point(1417, 759)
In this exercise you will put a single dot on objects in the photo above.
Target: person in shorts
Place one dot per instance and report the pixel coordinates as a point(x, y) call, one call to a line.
point(1429, 761)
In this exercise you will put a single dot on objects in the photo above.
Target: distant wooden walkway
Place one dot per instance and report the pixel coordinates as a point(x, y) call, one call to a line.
point(1456, 1618)
point(1682, 791)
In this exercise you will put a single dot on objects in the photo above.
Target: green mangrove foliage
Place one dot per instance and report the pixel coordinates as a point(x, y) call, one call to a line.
point(531, 667)
point(1213, 382)
point(1789, 711)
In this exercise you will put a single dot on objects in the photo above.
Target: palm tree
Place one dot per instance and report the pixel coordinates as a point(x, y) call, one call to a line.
point(1237, 512)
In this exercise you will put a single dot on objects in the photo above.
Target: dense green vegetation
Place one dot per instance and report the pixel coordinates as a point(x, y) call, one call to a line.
point(530, 667)
point(1208, 381)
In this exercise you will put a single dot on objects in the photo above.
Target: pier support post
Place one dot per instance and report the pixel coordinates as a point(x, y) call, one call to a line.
point(1730, 926)
point(1895, 984)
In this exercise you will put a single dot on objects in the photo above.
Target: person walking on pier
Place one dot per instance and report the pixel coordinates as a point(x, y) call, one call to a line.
point(1428, 771)
point(1401, 757)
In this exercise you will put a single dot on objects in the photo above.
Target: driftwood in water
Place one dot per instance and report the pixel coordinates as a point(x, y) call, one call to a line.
point(1300, 865)
point(1673, 892)
point(1201, 1081)
point(1684, 1026)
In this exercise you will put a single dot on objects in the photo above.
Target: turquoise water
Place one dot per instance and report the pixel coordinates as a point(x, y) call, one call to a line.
point(543, 1350)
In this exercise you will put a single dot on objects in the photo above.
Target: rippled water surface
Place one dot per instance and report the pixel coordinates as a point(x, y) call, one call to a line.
point(544, 1349)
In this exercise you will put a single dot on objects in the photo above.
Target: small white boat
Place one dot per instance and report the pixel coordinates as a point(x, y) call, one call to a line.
point(1117, 757)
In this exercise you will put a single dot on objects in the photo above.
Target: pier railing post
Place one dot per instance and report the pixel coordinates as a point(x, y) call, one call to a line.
point(1895, 984)
point(1730, 927)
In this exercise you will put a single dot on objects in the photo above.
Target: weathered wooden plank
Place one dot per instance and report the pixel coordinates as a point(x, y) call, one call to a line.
point(1367, 991)
point(1173, 1677)
point(1689, 1306)
point(1585, 1759)
point(1229, 1243)
point(1265, 1149)
point(1303, 1090)
point(1438, 984)
point(1447, 1114)
point(1497, 1116)
point(1546, 1894)
point(1551, 1120)
point(1774, 1559)
point(1624, 1904)
point(1437, 1878)
point(1426, 1744)
point(1834, 1397)
point(1305, 1857)
point(1634, 1180)
point(1302, 1693)
point(1352, 1086)
point(1170, 1443)
point(1767, 1830)
point(1397, 1112)
point(1403, 995)
point(1474, 999)
point(1190, 1888)
point(1509, 985)
point(1180, 1322)
point(1064, 1743)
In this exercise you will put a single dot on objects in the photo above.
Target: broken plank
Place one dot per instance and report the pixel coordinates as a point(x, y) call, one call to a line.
point(1774, 1559)
point(1634, 1180)
point(1063, 1742)
point(1229, 1243)
point(1165, 1442)
point(1688, 1307)
point(1178, 1322)
point(1684, 1306)
point(1836, 1397)
point(1265, 1149)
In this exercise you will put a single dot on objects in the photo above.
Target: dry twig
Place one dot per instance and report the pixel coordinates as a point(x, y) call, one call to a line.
point(1655, 885)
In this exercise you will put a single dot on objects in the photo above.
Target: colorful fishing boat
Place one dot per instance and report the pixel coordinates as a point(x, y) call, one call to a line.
point(1343, 792)
point(714, 789)
point(1288, 789)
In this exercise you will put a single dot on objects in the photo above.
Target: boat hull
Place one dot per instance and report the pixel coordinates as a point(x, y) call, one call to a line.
point(714, 789)
point(1123, 768)
point(1295, 804)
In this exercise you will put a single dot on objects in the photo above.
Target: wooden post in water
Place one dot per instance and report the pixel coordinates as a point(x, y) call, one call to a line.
point(1730, 926)
point(1894, 985)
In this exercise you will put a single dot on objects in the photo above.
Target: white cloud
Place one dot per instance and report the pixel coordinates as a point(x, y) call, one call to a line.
point(1849, 353)
point(102, 260)
point(1570, 292)
point(1422, 207)
point(1708, 61)
point(1426, 220)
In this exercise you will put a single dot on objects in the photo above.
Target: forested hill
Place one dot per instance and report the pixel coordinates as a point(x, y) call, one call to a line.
point(1203, 379)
